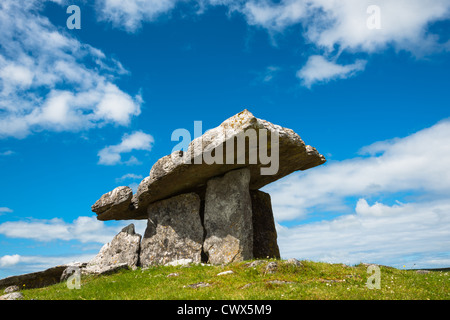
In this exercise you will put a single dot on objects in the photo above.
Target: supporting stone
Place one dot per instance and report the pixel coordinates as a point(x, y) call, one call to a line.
point(174, 231)
point(264, 232)
point(228, 218)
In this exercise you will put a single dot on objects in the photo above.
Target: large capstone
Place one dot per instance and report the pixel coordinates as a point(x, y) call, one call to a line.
point(269, 151)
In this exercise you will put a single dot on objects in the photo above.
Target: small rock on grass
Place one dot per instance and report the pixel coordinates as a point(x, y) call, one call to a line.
point(271, 267)
point(12, 296)
point(225, 272)
point(294, 262)
point(197, 285)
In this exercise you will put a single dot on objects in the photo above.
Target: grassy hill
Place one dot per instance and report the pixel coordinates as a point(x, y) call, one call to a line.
point(312, 280)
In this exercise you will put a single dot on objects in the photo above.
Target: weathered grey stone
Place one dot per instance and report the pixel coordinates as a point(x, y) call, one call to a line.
point(183, 172)
point(114, 204)
point(174, 231)
point(264, 232)
point(12, 296)
point(294, 262)
point(35, 279)
point(11, 289)
point(271, 267)
point(123, 248)
point(228, 218)
point(71, 269)
point(104, 269)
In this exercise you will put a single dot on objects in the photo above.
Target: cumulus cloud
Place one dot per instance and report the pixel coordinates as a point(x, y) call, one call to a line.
point(51, 81)
point(9, 260)
point(139, 140)
point(412, 230)
point(319, 69)
point(412, 234)
point(408, 164)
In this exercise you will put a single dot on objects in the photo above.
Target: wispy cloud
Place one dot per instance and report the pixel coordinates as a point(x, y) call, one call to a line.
point(138, 140)
point(318, 69)
point(128, 176)
point(4, 210)
point(7, 153)
point(64, 85)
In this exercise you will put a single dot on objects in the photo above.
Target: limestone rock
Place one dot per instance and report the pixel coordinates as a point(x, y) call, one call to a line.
point(123, 248)
point(71, 269)
point(264, 232)
point(11, 289)
point(174, 231)
point(213, 154)
point(114, 203)
point(228, 218)
point(271, 267)
point(99, 269)
point(12, 296)
point(35, 279)
point(294, 262)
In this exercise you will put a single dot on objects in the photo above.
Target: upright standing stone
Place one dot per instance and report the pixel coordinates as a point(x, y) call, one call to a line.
point(228, 218)
point(174, 231)
point(264, 232)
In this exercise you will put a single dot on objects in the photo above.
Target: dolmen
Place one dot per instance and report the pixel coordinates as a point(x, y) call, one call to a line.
point(203, 203)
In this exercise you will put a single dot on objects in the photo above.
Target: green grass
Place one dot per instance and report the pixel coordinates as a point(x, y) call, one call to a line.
point(315, 280)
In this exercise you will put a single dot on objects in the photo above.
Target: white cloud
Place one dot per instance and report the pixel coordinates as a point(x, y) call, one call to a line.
point(34, 78)
point(83, 229)
point(9, 260)
point(138, 140)
point(129, 15)
point(412, 234)
point(404, 23)
point(129, 176)
point(415, 230)
point(4, 210)
point(318, 69)
point(417, 163)
point(331, 26)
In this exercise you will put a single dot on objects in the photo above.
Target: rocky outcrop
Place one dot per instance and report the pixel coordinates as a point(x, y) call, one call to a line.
point(228, 218)
point(174, 231)
point(35, 279)
point(124, 248)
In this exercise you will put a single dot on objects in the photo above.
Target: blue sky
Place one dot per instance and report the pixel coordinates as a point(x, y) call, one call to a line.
point(83, 111)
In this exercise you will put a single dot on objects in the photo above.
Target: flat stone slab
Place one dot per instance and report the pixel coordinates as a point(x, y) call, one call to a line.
point(271, 152)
